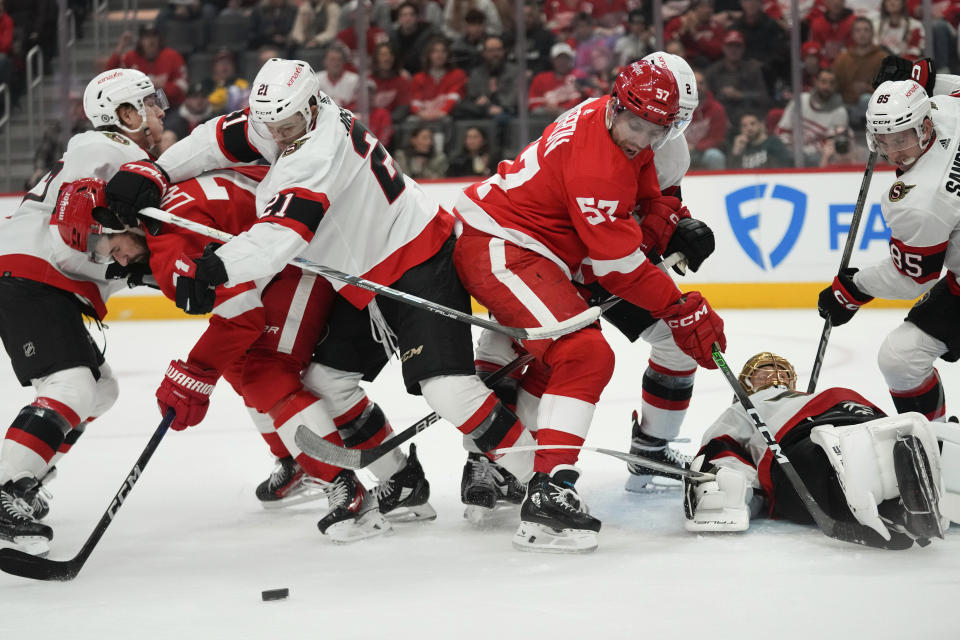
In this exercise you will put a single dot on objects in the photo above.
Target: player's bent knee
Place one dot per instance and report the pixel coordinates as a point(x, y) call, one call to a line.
point(268, 378)
point(340, 390)
point(587, 356)
point(75, 388)
point(107, 392)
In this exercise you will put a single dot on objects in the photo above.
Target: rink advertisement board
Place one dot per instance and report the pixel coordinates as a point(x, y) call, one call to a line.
point(780, 236)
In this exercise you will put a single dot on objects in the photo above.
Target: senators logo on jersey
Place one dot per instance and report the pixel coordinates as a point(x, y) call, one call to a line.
point(116, 137)
point(899, 190)
point(292, 148)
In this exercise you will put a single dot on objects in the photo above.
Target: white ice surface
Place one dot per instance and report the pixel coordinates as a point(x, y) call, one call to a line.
point(191, 550)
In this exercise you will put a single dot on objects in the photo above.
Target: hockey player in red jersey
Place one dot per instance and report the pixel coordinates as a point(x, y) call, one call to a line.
point(885, 473)
point(260, 339)
point(334, 196)
point(47, 286)
point(562, 210)
point(921, 137)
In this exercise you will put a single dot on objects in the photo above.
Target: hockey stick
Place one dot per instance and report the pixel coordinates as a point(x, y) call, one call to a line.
point(846, 531)
point(620, 455)
point(316, 447)
point(564, 327)
point(844, 262)
point(18, 563)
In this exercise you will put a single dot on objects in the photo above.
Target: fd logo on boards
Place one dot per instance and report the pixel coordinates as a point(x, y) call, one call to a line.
point(899, 190)
point(746, 207)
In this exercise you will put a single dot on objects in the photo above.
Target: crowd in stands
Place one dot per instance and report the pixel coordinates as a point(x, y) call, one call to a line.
point(442, 75)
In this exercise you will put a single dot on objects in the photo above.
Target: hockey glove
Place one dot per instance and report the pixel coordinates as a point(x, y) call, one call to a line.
point(892, 68)
point(134, 186)
point(658, 218)
point(186, 389)
point(924, 72)
point(695, 327)
point(197, 280)
point(137, 274)
point(840, 301)
point(694, 239)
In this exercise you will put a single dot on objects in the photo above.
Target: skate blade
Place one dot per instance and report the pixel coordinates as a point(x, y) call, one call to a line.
point(369, 525)
point(538, 538)
point(645, 483)
point(34, 545)
point(483, 517)
point(294, 499)
point(418, 513)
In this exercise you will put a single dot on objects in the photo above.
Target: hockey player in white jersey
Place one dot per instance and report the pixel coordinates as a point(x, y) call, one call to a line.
point(885, 473)
point(921, 137)
point(48, 284)
point(334, 196)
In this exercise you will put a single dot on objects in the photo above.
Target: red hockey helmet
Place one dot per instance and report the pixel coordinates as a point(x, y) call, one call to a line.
point(73, 213)
point(648, 91)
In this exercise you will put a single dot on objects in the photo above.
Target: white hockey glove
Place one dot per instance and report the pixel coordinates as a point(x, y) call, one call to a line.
point(873, 458)
point(717, 505)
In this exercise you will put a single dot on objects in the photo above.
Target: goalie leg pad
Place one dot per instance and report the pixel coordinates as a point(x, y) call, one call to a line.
point(948, 433)
point(918, 493)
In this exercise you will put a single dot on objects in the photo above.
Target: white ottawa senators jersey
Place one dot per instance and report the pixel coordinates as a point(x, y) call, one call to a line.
point(922, 209)
point(32, 248)
point(568, 196)
point(334, 197)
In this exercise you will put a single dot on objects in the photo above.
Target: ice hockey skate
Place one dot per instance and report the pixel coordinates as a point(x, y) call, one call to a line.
point(553, 519)
point(642, 479)
point(18, 527)
point(40, 497)
point(288, 485)
point(487, 489)
point(403, 497)
point(353, 514)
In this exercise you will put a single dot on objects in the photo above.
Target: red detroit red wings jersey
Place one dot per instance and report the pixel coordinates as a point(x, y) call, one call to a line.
point(568, 196)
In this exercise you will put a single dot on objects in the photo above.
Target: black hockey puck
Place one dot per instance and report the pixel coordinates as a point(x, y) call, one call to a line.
point(275, 594)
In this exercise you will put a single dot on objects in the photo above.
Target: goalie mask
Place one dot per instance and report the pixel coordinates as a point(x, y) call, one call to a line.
point(766, 370)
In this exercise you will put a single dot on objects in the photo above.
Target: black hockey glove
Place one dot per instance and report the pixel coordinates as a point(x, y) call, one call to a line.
point(694, 239)
point(137, 274)
point(840, 300)
point(892, 68)
point(134, 186)
point(924, 71)
point(198, 279)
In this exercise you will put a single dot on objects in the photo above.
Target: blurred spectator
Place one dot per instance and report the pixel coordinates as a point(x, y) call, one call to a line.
point(435, 90)
point(736, 83)
point(832, 28)
point(410, 36)
point(375, 36)
point(856, 66)
point(599, 77)
point(228, 91)
point(271, 22)
point(584, 39)
point(946, 14)
point(559, 14)
point(167, 139)
point(811, 54)
point(897, 32)
point(840, 148)
point(696, 30)
point(6, 50)
point(36, 25)
point(336, 80)
point(474, 159)
point(421, 158)
point(455, 14)
point(316, 24)
point(636, 42)
point(610, 15)
point(164, 65)
point(391, 91)
point(707, 129)
point(429, 11)
point(766, 42)
point(539, 39)
point(194, 110)
point(822, 111)
point(491, 87)
point(465, 49)
point(553, 92)
point(754, 149)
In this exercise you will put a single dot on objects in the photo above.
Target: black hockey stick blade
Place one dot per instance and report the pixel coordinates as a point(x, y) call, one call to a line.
point(316, 447)
point(18, 563)
point(655, 465)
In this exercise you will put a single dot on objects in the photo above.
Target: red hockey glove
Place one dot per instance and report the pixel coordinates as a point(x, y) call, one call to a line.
point(695, 327)
point(842, 299)
point(658, 218)
point(134, 186)
point(186, 389)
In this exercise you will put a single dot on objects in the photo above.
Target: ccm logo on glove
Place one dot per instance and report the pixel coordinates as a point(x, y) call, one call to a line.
point(691, 318)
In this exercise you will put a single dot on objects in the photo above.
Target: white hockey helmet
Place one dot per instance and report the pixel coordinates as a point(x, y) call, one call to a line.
point(283, 90)
point(686, 83)
point(114, 87)
point(897, 106)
